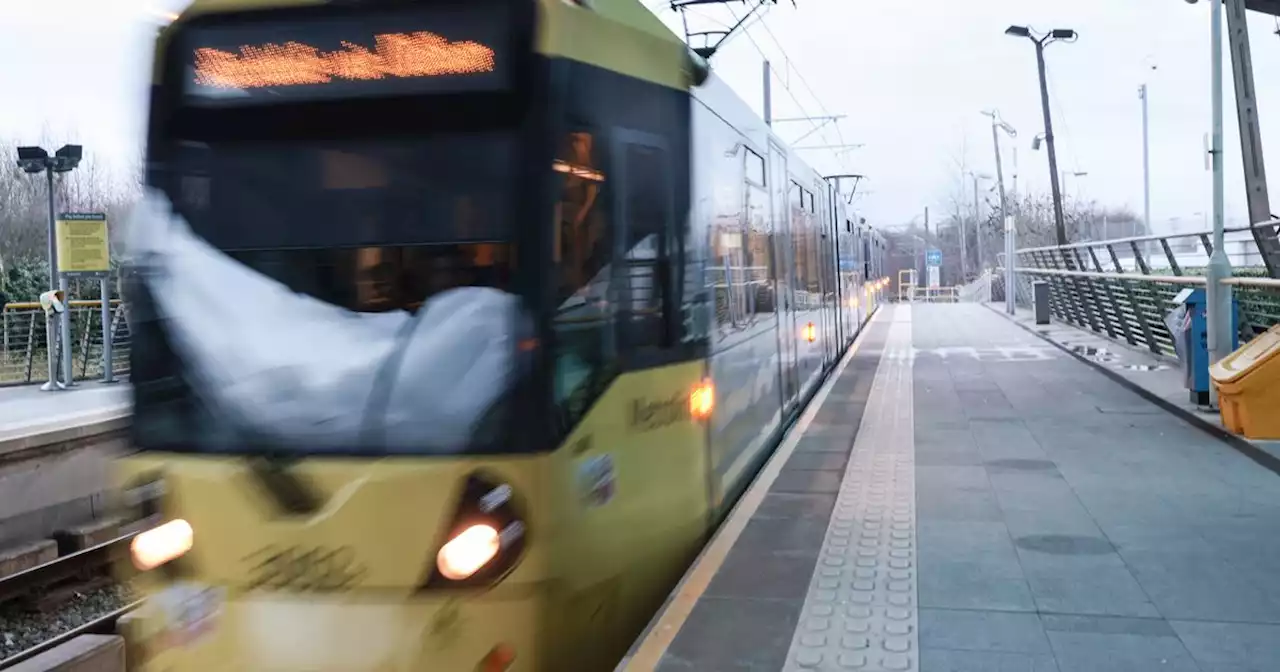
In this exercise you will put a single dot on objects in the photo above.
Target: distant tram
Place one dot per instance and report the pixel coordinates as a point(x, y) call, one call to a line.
point(458, 327)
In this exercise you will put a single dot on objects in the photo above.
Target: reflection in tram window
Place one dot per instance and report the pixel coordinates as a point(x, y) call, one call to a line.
point(370, 225)
point(615, 277)
point(581, 247)
point(758, 260)
point(644, 278)
point(446, 188)
point(582, 250)
point(384, 278)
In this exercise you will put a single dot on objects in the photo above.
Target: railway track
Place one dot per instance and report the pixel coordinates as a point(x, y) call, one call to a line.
point(44, 589)
point(103, 625)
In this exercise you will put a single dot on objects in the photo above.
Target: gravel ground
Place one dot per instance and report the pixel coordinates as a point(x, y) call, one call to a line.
point(21, 629)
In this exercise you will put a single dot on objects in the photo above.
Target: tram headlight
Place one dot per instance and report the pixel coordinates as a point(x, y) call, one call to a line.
point(162, 544)
point(467, 552)
point(485, 540)
point(473, 548)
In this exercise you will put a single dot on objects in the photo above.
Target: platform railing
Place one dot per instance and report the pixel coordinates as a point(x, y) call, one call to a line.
point(1123, 288)
point(24, 352)
point(978, 291)
point(935, 294)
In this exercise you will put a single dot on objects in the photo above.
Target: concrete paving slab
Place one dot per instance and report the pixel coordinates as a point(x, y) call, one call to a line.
point(1060, 522)
point(1138, 536)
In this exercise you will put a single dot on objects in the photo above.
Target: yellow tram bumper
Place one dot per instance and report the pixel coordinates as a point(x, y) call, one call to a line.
point(190, 627)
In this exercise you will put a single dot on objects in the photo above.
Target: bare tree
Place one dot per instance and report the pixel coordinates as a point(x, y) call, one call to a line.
point(94, 186)
point(1085, 220)
point(1033, 216)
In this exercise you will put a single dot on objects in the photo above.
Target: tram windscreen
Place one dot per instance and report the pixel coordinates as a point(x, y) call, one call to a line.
point(330, 296)
point(369, 225)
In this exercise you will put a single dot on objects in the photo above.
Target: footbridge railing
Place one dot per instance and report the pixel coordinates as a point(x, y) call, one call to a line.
point(1123, 288)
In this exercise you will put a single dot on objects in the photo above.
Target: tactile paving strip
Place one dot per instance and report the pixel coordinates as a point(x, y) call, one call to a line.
point(860, 612)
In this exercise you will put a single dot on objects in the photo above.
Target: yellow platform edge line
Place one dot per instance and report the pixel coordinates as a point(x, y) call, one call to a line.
point(667, 624)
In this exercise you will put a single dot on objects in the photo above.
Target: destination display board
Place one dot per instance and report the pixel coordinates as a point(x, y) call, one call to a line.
point(435, 49)
point(83, 247)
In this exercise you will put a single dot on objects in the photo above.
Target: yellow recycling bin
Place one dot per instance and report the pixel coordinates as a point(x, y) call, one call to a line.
point(1248, 383)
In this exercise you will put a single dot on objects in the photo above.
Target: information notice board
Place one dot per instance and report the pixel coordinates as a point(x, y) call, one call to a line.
point(83, 247)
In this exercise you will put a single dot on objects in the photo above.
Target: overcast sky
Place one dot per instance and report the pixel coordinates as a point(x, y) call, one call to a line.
point(911, 76)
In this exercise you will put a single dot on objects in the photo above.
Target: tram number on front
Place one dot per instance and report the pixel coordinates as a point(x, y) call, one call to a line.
point(298, 569)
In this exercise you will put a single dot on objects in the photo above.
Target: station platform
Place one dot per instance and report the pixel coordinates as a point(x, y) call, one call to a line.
point(966, 495)
point(27, 411)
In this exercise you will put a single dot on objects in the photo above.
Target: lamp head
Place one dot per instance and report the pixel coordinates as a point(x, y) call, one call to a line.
point(1018, 31)
point(32, 153)
point(32, 159)
point(67, 158)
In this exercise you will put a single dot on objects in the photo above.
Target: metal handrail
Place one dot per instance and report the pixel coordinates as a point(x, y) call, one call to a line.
point(1093, 287)
point(1148, 238)
point(1171, 279)
point(74, 303)
point(1251, 282)
point(24, 352)
point(1198, 280)
point(932, 294)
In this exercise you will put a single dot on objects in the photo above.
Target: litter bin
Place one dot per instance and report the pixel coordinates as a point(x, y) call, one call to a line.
point(1040, 300)
point(1248, 382)
point(1187, 326)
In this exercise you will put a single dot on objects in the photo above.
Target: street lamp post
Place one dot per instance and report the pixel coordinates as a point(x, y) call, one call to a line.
point(1218, 299)
point(1066, 35)
point(33, 161)
point(977, 222)
point(1146, 162)
point(1219, 305)
point(920, 260)
point(1014, 189)
point(996, 125)
point(977, 216)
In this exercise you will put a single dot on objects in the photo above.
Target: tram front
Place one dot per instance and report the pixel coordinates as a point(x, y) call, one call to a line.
point(331, 304)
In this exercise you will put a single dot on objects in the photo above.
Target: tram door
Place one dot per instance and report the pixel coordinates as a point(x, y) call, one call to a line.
point(783, 275)
point(827, 264)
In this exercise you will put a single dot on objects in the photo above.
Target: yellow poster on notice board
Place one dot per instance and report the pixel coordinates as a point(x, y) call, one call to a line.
point(83, 247)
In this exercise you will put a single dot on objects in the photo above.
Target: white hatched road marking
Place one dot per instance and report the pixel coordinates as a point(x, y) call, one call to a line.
point(860, 612)
point(997, 354)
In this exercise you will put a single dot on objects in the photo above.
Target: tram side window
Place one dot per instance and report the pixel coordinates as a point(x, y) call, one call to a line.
point(813, 244)
point(585, 353)
point(758, 258)
point(754, 168)
point(866, 258)
point(644, 274)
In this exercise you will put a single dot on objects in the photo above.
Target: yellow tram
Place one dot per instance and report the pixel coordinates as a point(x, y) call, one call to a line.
point(385, 417)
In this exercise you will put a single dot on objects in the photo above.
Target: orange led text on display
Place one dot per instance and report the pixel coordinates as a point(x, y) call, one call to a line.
point(395, 55)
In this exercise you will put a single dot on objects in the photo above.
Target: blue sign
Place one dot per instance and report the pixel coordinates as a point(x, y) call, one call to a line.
point(933, 257)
